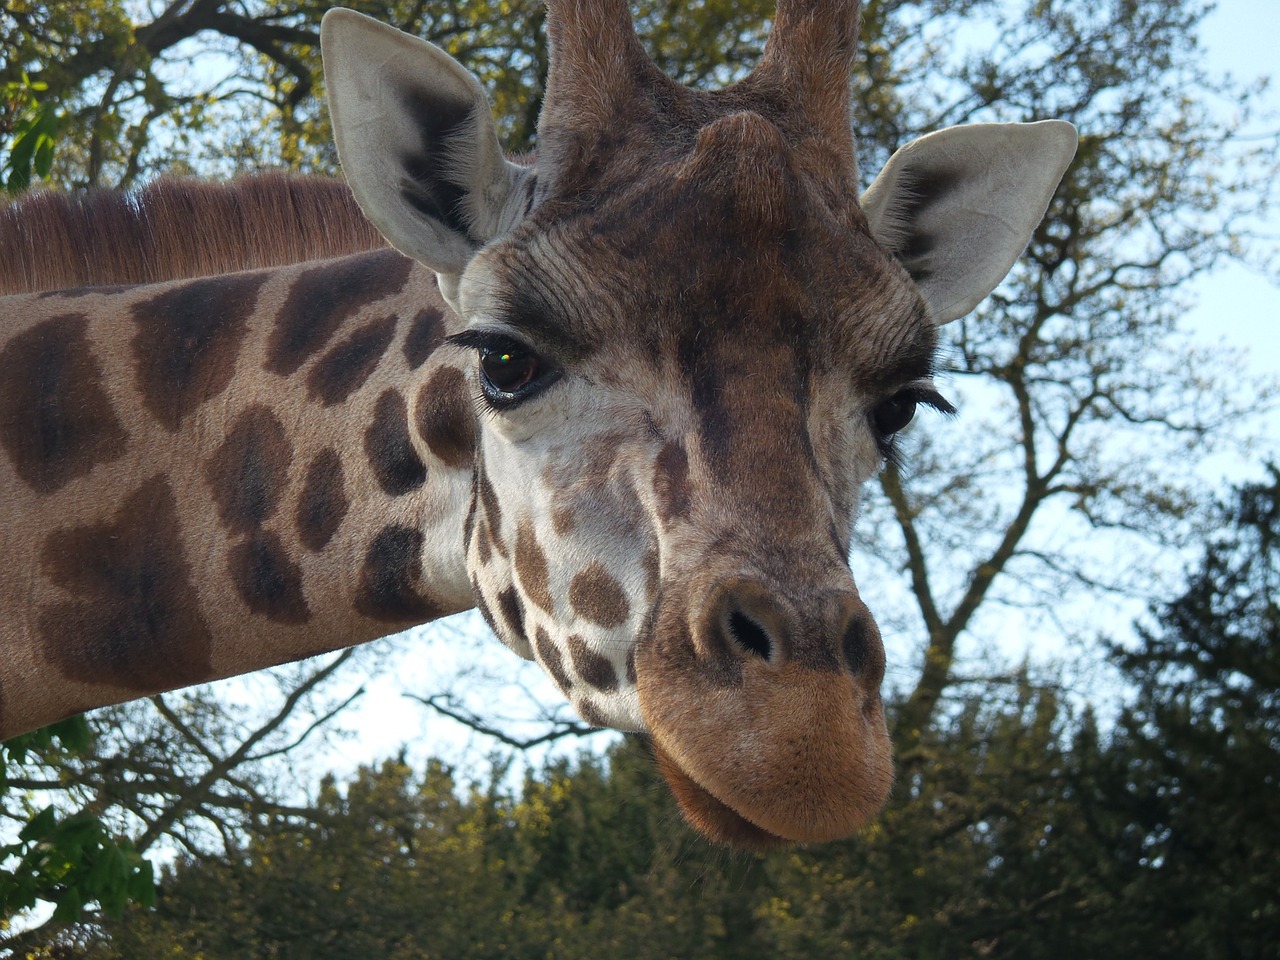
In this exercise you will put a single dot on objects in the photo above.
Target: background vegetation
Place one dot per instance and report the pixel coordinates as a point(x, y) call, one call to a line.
point(1067, 499)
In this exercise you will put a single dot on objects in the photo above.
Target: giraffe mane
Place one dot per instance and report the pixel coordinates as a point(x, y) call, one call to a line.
point(176, 228)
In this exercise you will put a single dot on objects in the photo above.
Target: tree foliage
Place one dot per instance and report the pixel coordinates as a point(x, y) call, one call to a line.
point(1196, 757)
point(85, 800)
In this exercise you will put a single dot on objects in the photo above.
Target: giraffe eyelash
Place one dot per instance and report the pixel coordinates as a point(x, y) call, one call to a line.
point(901, 406)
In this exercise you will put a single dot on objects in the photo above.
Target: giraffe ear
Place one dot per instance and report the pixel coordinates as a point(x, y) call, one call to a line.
point(958, 207)
point(416, 141)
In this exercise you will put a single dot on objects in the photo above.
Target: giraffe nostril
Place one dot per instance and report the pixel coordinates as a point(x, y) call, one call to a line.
point(750, 636)
point(858, 643)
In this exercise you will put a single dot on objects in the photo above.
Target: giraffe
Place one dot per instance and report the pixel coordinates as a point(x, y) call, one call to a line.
point(621, 398)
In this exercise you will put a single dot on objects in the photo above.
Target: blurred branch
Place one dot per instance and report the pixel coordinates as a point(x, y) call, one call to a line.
point(443, 704)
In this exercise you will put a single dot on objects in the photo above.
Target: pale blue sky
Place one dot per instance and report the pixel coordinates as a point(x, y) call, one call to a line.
point(1238, 305)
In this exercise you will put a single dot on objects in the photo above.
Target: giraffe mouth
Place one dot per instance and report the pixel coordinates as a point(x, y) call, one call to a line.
point(795, 756)
point(709, 815)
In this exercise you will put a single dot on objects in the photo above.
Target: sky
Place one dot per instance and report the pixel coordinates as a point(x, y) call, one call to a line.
point(1239, 306)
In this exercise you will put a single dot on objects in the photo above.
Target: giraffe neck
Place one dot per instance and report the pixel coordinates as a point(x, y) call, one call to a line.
point(208, 477)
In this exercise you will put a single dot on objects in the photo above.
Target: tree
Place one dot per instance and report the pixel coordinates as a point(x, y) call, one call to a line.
point(1195, 758)
point(211, 86)
point(1089, 405)
point(86, 799)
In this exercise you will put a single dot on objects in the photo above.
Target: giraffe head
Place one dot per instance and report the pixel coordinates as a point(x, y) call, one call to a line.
point(693, 344)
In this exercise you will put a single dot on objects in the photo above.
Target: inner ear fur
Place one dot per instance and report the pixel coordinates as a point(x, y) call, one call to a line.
point(416, 140)
point(958, 207)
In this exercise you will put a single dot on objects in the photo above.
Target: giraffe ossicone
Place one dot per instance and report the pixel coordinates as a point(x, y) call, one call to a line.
point(622, 398)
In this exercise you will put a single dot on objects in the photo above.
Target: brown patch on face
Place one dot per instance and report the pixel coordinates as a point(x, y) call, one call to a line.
point(631, 665)
point(549, 656)
point(599, 597)
point(512, 612)
point(248, 471)
point(323, 504)
point(652, 572)
point(188, 340)
point(426, 333)
point(135, 619)
point(56, 422)
point(323, 297)
point(345, 368)
point(483, 606)
point(594, 669)
point(269, 583)
point(446, 419)
point(671, 483)
point(492, 511)
point(531, 566)
point(562, 519)
point(389, 589)
point(395, 462)
point(589, 712)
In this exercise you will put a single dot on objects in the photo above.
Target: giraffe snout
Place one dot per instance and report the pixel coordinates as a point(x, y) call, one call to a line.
point(746, 619)
point(764, 706)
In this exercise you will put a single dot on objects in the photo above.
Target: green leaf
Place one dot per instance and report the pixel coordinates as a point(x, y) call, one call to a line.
point(40, 826)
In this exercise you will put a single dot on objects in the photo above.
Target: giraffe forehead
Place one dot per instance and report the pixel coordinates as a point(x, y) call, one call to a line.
point(668, 261)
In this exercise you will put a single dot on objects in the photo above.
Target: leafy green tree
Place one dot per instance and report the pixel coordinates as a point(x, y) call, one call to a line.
point(211, 86)
point(30, 130)
point(83, 802)
point(68, 860)
point(590, 858)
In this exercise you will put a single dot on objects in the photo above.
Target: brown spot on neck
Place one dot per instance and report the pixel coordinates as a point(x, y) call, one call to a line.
point(345, 368)
point(56, 421)
point(324, 297)
point(268, 581)
point(133, 620)
point(446, 419)
point(323, 503)
point(426, 333)
point(188, 340)
point(395, 462)
point(248, 471)
point(391, 588)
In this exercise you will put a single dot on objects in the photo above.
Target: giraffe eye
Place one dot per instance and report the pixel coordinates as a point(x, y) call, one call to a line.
point(510, 372)
point(893, 415)
point(508, 368)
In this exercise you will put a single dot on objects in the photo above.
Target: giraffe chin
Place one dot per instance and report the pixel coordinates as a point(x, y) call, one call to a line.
point(786, 755)
point(713, 819)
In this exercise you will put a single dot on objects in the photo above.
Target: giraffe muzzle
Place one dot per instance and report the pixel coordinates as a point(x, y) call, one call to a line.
point(765, 711)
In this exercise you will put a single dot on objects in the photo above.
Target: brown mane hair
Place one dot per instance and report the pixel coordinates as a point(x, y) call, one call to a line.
point(176, 227)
